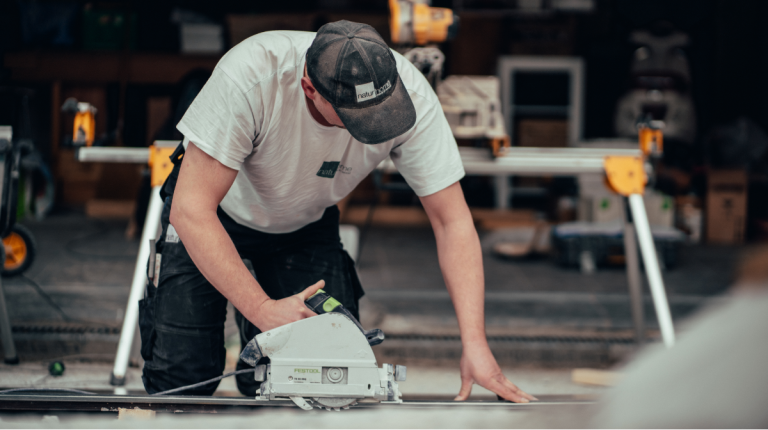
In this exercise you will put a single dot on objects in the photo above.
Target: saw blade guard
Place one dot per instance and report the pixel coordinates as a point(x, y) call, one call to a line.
point(324, 357)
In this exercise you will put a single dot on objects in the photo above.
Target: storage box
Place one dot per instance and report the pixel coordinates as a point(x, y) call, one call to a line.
point(604, 243)
point(726, 206)
point(108, 30)
point(598, 204)
point(201, 38)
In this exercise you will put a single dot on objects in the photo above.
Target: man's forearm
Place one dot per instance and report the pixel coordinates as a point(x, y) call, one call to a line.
point(458, 249)
point(214, 254)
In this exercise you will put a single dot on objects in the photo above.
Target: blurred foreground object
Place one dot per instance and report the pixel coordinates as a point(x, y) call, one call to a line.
point(715, 377)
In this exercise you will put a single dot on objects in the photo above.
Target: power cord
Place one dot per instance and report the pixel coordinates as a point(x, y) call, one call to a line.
point(104, 228)
point(47, 298)
point(162, 393)
point(64, 390)
point(200, 384)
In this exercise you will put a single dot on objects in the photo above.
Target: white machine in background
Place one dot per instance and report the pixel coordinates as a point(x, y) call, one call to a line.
point(472, 106)
point(471, 103)
point(661, 81)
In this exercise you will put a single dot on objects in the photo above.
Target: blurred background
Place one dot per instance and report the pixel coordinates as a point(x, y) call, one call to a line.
point(519, 73)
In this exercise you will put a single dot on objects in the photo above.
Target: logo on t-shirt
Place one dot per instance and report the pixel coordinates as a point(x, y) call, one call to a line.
point(329, 169)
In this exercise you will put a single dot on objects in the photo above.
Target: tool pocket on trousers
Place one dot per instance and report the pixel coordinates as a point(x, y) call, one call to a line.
point(147, 326)
point(357, 287)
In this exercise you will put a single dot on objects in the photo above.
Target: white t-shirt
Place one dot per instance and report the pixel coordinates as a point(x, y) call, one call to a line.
point(252, 116)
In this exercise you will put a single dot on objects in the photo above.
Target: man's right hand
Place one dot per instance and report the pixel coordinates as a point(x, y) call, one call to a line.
point(275, 313)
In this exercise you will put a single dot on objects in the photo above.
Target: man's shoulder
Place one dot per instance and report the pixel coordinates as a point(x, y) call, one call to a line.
point(414, 81)
point(262, 55)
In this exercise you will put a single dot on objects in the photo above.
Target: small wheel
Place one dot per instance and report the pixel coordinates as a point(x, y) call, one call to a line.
point(20, 250)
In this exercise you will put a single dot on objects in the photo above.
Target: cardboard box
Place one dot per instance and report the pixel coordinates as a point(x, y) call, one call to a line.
point(726, 206)
point(544, 133)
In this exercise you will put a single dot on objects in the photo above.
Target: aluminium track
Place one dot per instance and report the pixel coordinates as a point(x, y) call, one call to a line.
point(199, 404)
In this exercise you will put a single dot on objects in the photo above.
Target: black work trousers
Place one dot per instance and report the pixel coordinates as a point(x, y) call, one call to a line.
point(182, 319)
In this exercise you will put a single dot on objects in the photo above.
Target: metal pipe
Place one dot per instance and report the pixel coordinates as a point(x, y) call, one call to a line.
point(633, 279)
point(532, 161)
point(652, 269)
point(113, 155)
point(151, 224)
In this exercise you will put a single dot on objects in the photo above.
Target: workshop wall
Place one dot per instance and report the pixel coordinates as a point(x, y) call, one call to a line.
point(728, 55)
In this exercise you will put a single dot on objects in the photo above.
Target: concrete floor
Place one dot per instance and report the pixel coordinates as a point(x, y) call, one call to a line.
point(422, 383)
point(537, 314)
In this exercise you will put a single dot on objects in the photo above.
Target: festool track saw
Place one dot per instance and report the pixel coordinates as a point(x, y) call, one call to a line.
point(325, 359)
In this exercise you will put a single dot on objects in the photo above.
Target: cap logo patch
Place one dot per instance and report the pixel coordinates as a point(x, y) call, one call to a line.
point(367, 91)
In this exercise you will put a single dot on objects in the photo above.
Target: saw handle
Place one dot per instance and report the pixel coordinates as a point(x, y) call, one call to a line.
point(322, 303)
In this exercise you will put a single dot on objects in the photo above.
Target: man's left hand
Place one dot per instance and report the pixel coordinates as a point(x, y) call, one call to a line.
point(478, 366)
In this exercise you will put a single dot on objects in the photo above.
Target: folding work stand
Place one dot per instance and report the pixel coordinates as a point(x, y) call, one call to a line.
point(625, 172)
point(158, 158)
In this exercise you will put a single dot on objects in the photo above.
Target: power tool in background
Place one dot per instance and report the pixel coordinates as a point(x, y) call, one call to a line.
point(415, 22)
point(471, 103)
point(84, 130)
point(326, 360)
point(18, 242)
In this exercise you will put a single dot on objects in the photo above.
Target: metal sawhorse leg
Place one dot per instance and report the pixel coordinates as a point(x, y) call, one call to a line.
point(626, 176)
point(158, 158)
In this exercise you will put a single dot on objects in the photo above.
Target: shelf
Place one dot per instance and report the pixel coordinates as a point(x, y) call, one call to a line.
point(104, 67)
point(540, 110)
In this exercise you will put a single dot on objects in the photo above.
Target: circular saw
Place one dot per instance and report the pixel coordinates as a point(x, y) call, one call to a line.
point(325, 360)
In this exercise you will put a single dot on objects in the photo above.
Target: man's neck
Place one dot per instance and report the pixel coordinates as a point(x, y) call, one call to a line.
point(316, 113)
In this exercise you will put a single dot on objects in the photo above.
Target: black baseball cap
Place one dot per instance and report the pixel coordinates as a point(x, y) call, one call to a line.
point(352, 67)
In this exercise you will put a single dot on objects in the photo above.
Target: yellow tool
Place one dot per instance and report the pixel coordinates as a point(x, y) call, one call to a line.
point(84, 131)
point(650, 136)
point(415, 22)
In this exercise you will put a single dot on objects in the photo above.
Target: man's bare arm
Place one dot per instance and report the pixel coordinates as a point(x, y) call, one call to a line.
point(461, 262)
point(202, 184)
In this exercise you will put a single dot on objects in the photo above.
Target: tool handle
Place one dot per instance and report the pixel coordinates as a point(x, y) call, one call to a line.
point(322, 303)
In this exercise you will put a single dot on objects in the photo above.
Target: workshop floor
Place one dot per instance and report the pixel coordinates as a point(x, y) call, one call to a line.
point(542, 320)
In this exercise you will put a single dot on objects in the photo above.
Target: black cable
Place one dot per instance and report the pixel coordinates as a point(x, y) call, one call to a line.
point(105, 228)
point(200, 384)
point(162, 393)
point(53, 304)
point(47, 298)
point(65, 390)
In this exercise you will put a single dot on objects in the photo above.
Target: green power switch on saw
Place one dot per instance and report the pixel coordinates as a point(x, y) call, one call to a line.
point(322, 303)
